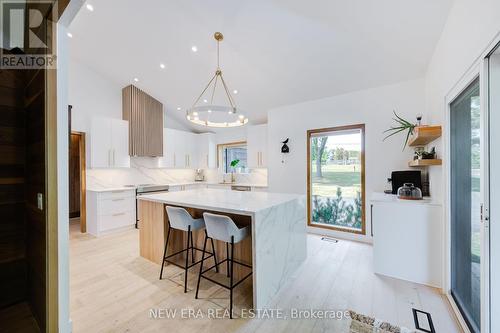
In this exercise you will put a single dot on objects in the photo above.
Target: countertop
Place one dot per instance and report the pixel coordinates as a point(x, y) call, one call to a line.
point(245, 203)
point(124, 188)
point(111, 189)
point(382, 197)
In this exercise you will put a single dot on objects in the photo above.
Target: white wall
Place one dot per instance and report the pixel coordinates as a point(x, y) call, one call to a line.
point(372, 107)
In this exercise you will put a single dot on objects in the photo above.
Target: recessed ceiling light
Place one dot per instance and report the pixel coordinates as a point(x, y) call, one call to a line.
point(195, 113)
point(209, 111)
point(235, 91)
point(230, 112)
point(136, 79)
point(179, 108)
point(69, 34)
point(90, 7)
point(162, 66)
point(194, 48)
point(205, 101)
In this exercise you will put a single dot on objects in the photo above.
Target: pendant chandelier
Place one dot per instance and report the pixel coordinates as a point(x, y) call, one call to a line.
point(209, 114)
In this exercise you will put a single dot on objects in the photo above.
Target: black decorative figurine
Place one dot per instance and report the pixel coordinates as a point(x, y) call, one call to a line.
point(285, 149)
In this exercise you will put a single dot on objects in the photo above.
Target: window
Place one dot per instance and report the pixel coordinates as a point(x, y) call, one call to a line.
point(229, 152)
point(335, 180)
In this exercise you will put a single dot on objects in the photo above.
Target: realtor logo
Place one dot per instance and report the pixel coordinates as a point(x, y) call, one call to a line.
point(26, 34)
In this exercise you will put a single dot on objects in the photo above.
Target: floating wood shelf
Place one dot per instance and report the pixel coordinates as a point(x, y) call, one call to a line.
point(423, 163)
point(423, 135)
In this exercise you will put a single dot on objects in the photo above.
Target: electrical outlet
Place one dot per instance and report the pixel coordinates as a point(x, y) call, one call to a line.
point(39, 199)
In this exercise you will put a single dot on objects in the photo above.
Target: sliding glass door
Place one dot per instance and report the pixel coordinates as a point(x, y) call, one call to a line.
point(492, 203)
point(465, 195)
point(336, 178)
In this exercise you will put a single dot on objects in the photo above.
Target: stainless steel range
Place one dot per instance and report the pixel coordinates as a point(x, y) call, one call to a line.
point(144, 189)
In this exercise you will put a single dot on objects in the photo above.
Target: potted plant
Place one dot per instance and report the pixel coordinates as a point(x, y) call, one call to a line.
point(233, 164)
point(401, 125)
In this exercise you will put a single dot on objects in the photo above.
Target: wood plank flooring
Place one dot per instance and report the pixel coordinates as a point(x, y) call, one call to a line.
point(113, 289)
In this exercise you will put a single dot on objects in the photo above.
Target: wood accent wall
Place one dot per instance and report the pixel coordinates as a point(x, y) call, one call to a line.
point(36, 219)
point(13, 268)
point(145, 117)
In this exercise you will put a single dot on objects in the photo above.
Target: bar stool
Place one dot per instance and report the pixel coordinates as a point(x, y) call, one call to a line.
point(223, 228)
point(180, 219)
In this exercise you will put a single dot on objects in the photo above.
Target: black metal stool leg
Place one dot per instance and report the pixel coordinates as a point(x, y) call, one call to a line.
point(187, 258)
point(192, 248)
point(231, 280)
point(164, 252)
point(227, 256)
point(201, 265)
point(215, 257)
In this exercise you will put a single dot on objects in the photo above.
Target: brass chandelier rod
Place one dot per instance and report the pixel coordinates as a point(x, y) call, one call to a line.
point(218, 37)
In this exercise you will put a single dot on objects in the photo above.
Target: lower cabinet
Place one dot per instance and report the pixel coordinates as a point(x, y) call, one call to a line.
point(407, 240)
point(109, 211)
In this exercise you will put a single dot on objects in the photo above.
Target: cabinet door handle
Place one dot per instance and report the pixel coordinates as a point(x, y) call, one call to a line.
point(371, 219)
point(117, 200)
point(114, 161)
point(109, 157)
point(118, 214)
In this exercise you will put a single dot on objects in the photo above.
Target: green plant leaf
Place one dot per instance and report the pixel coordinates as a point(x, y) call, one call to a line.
point(234, 163)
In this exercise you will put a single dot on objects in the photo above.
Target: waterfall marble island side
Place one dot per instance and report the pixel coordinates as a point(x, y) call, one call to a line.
point(275, 249)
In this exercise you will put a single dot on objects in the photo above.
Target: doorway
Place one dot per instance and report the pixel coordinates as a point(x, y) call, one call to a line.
point(465, 204)
point(336, 178)
point(77, 185)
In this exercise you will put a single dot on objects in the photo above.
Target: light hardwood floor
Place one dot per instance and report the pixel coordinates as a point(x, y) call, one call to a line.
point(113, 289)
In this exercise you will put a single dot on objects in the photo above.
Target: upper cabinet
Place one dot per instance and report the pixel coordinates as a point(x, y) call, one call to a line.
point(257, 146)
point(186, 150)
point(145, 117)
point(207, 154)
point(180, 150)
point(109, 143)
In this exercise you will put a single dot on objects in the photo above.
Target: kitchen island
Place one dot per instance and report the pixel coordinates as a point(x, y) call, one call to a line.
point(277, 245)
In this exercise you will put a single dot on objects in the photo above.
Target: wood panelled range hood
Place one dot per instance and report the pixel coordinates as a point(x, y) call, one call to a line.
point(145, 117)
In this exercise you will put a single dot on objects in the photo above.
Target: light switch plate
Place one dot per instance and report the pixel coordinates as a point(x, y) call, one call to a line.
point(39, 199)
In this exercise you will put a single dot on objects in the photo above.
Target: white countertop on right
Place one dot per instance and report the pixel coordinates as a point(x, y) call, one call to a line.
point(392, 198)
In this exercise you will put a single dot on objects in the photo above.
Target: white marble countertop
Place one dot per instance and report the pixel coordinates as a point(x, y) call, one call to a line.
point(244, 203)
point(123, 188)
point(111, 189)
point(382, 197)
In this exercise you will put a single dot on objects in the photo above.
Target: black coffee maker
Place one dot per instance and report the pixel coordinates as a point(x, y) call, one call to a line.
point(398, 178)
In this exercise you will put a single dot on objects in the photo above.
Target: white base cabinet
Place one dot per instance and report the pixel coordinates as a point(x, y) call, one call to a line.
point(110, 211)
point(407, 239)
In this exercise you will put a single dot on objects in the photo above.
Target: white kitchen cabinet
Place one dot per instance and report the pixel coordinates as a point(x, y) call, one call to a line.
point(109, 143)
point(407, 239)
point(207, 151)
point(186, 150)
point(257, 146)
point(191, 150)
point(109, 211)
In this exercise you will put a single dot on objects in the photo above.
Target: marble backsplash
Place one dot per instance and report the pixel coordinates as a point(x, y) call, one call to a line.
point(143, 171)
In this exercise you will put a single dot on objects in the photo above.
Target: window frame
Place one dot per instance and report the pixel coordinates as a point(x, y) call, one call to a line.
point(222, 146)
point(310, 134)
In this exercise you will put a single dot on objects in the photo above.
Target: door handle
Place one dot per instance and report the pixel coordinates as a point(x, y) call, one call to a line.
point(371, 219)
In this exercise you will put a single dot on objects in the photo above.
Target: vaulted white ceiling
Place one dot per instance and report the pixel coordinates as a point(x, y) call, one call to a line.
point(275, 52)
